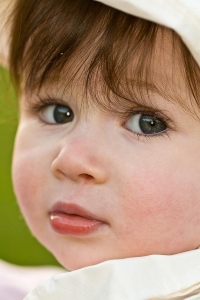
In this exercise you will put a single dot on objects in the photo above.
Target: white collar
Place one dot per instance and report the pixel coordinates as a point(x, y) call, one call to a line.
point(140, 278)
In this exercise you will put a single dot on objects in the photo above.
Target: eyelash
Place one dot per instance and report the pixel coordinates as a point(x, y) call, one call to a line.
point(47, 101)
point(151, 113)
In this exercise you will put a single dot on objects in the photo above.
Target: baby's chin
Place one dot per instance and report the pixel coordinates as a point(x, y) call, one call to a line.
point(80, 262)
point(77, 264)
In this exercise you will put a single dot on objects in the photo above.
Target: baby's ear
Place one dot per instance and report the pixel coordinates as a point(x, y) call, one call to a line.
point(5, 25)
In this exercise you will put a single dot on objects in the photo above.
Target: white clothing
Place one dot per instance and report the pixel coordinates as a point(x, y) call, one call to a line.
point(149, 277)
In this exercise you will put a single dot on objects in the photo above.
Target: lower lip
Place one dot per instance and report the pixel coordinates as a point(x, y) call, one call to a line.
point(73, 225)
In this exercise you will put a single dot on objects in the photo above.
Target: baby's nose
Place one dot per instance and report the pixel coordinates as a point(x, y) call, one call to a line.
point(81, 159)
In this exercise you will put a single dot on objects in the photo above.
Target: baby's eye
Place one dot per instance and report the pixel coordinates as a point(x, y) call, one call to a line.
point(57, 114)
point(145, 124)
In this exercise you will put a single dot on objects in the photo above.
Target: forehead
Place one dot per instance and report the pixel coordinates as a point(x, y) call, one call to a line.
point(156, 69)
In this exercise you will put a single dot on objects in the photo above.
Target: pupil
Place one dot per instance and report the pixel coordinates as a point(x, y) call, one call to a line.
point(63, 114)
point(151, 125)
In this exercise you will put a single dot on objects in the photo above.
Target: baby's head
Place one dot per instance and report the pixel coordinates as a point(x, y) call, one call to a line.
point(106, 162)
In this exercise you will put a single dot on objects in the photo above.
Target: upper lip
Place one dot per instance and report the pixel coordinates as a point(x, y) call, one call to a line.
point(73, 209)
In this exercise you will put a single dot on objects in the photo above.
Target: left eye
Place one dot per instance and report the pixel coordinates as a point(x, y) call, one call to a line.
point(57, 114)
point(145, 124)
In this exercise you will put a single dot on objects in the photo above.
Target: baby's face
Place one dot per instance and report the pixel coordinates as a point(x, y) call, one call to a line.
point(95, 186)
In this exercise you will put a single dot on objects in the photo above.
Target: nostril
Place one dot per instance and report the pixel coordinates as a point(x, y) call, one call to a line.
point(86, 177)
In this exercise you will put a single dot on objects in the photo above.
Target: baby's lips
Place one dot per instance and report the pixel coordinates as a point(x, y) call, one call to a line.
point(73, 220)
point(73, 224)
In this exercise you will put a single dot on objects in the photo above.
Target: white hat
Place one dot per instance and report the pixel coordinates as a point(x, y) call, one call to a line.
point(181, 15)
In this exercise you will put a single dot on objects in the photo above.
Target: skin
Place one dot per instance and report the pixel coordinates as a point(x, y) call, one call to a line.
point(145, 188)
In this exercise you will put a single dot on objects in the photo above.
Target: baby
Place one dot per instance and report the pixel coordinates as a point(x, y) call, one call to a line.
point(106, 162)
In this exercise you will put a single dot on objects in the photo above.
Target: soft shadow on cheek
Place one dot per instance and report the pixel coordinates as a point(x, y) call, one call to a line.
point(26, 180)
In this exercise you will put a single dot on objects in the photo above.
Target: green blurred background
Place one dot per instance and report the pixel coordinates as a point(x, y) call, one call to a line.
point(17, 245)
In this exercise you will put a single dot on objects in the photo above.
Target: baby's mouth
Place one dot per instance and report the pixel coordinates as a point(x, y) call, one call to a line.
point(72, 220)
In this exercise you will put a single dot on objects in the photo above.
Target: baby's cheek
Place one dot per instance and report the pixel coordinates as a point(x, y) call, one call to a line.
point(157, 213)
point(26, 179)
point(158, 197)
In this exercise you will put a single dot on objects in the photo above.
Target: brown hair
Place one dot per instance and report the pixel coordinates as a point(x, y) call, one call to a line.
point(55, 36)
